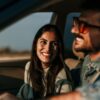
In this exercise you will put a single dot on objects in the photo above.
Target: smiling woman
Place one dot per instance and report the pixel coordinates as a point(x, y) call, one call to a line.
point(45, 74)
point(15, 47)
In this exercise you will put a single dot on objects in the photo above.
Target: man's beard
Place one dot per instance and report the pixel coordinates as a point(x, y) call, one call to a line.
point(85, 51)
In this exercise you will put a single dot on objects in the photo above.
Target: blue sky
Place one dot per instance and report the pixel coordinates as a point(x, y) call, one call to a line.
point(19, 36)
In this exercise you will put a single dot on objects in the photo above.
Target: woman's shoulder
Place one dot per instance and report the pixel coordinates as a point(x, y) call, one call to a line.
point(27, 65)
point(62, 74)
point(62, 83)
point(26, 73)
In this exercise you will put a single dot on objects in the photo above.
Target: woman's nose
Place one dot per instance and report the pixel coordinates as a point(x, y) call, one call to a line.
point(48, 47)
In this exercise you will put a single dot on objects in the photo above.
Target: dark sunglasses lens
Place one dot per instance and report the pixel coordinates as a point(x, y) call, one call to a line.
point(80, 25)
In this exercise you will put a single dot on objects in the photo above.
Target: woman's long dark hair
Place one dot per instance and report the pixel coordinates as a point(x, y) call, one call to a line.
point(36, 70)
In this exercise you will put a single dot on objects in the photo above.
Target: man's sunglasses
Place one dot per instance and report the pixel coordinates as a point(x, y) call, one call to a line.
point(82, 25)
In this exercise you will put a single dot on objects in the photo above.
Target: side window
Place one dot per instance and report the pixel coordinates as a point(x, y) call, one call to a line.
point(18, 37)
point(68, 37)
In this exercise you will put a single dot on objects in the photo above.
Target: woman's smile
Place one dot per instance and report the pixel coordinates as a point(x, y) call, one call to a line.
point(45, 54)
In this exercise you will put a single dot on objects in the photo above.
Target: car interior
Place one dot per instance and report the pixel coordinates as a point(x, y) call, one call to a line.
point(12, 11)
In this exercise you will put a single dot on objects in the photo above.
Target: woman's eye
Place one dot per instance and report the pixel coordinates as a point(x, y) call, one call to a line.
point(54, 43)
point(43, 42)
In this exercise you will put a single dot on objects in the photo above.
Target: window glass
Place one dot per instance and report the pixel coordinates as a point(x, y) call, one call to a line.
point(18, 37)
point(68, 37)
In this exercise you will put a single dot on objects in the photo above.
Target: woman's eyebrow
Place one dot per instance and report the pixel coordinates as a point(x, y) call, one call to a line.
point(43, 39)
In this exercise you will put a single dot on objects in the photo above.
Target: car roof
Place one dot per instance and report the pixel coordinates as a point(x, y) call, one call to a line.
point(12, 10)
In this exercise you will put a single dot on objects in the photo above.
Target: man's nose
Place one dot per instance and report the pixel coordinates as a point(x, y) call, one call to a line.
point(75, 30)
